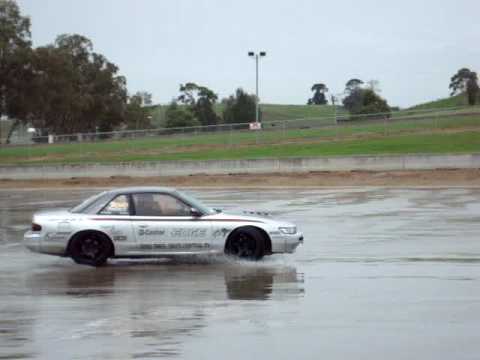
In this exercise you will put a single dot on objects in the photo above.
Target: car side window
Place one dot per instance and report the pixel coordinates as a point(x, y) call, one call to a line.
point(118, 206)
point(151, 204)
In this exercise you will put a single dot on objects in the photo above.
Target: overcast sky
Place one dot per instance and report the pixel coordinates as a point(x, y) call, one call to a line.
point(412, 47)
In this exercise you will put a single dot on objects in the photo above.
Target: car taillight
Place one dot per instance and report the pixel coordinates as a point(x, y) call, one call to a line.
point(36, 227)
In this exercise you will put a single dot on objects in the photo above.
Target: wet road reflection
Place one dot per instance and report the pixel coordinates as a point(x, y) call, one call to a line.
point(152, 303)
point(384, 273)
point(203, 281)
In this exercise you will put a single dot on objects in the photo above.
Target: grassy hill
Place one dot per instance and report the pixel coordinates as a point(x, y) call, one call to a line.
point(454, 133)
point(449, 102)
point(270, 112)
point(279, 112)
point(274, 112)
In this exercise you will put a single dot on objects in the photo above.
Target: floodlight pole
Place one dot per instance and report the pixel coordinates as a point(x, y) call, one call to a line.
point(256, 90)
point(334, 103)
point(336, 98)
point(257, 57)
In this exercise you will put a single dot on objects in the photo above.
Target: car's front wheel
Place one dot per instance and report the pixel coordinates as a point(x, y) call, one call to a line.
point(91, 248)
point(246, 243)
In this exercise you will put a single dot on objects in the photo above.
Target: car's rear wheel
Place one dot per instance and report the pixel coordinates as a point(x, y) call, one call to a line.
point(91, 248)
point(246, 243)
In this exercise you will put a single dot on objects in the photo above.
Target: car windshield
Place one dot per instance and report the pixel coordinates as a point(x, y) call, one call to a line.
point(85, 204)
point(196, 204)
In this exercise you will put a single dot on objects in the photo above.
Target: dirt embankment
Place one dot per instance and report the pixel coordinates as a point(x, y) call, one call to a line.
point(423, 178)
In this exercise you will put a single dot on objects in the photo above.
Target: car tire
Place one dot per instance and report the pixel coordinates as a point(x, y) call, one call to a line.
point(91, 248)
point(246, 243)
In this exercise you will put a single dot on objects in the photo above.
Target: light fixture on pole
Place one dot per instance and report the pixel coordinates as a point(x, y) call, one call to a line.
point(257, 57)
point(336, 99)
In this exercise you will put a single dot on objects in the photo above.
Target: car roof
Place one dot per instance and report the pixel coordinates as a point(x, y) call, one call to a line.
point(140, 189)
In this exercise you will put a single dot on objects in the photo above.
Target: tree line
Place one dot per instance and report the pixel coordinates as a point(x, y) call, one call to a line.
point(358, 98)
point(362, 98)
point(195, 106)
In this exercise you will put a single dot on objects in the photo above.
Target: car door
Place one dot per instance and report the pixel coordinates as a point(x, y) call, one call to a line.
point(164, 223)
point(114, 219)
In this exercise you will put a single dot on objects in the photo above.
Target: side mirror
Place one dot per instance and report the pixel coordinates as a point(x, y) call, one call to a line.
point(195, 213)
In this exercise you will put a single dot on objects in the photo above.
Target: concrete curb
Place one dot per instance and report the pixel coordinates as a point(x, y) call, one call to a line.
point(253, 166)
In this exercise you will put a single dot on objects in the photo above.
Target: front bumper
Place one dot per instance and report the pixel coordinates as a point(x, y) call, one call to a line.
point(283, 243)
point(292, 242)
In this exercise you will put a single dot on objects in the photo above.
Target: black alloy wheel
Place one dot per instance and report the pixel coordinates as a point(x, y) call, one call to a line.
point(91, 248)
point(246, 243)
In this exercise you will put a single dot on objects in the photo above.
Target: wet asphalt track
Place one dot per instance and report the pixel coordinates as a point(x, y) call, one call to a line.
point(383, 274)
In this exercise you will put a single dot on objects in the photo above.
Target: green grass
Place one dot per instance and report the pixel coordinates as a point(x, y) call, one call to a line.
point(438, 143)
point(325, 113)
point(270, 112)
point(273, 112)
point(453, 134)
point(449, 102)
point(279, 112)
point(294, 138)
point(464, 142)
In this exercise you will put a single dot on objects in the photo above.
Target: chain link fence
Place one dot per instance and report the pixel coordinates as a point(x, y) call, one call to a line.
point(332, 127)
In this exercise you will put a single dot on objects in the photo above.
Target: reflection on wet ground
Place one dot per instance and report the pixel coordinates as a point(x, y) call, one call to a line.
point(384, 273)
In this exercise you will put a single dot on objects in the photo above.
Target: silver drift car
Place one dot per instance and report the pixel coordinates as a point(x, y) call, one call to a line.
point(154, 222)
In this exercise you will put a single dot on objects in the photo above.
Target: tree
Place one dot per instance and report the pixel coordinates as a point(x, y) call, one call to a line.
point(374, 104)
point(53, 88)
point(472, 91)
point(61, 88)
point(78, 89)
point(366, 101)
point(239, 108)
point(465, 81)
point(374, 85)
point(146, 98)
point(137, 115)
point(354, 101)
point(179, 117)
point(319, 97)
point(353, 84)
point(15, 69)
point(200, 101)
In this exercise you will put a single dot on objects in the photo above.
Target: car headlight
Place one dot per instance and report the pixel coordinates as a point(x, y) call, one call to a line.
point(291, 230)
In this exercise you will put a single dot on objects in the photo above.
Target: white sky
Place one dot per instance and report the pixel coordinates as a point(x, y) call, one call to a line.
point(412, 47)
